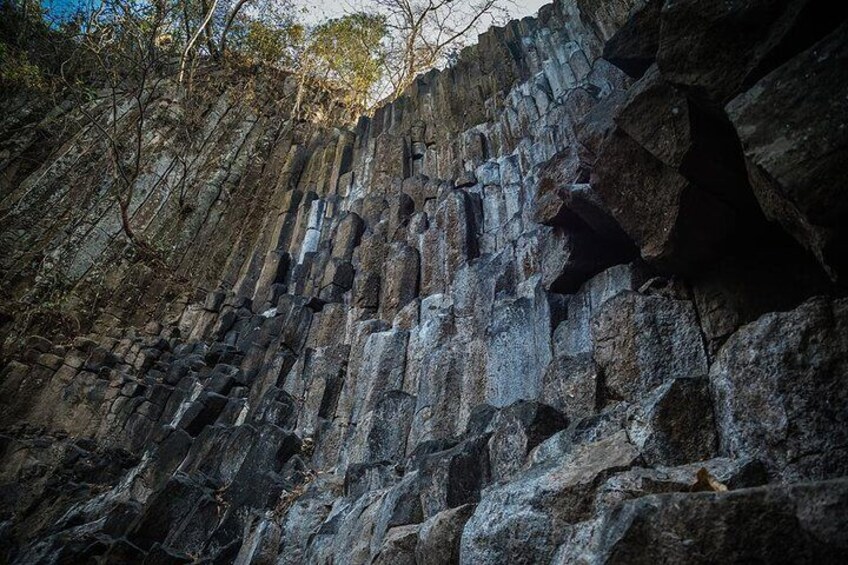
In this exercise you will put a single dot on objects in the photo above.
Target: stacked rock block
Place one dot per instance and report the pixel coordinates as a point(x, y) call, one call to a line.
point(578, 298)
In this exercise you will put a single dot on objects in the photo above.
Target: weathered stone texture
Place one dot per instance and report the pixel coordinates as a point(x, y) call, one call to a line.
point(576, 299)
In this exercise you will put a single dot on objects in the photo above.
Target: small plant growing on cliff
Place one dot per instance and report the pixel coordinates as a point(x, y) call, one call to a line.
point(17, 71)
point(288, 498)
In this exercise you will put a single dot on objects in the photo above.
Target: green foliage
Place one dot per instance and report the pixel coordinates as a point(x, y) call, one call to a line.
point(349, 52)
point(27, 48)
point(17, 72)
point(354, 59)
point(344, 56)
point(272, 44)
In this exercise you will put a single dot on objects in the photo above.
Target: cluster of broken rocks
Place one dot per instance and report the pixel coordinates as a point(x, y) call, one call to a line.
point(577, 299)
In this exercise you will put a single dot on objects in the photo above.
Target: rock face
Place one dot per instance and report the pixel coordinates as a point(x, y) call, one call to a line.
point(772, 396)
point(641, 342)
point(805, 524)
point(772, 121)
point(576, 299)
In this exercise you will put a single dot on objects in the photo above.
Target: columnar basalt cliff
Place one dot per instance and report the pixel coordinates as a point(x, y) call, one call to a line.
point(577, 299)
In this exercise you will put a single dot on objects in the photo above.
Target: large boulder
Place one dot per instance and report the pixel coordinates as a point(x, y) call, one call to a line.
point(699, 145)
point(571, 383)
point(522, 521)
point(676, 424)
point(675, 225)
point(564, 199)
point(773, 524)
point(607, 18)
point(516, 430)
point(634, 46)
point(781, 393)
point(399, 546)
point(643, 341)
point(792, 128)
point(714, 48)
point(439, 537)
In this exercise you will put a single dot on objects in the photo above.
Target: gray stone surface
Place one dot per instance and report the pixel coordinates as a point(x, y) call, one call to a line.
point(676, 425)
point(714, 47)
point(780, 391)
point(805, 523)
point(642, 342)
point(429, 337)
point(522, 521)
point(797, 146)
point(674, 224)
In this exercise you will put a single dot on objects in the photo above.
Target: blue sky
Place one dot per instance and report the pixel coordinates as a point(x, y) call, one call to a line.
point(62, 6)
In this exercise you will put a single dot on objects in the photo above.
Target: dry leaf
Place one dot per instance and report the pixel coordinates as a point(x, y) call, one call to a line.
point(704, 482)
